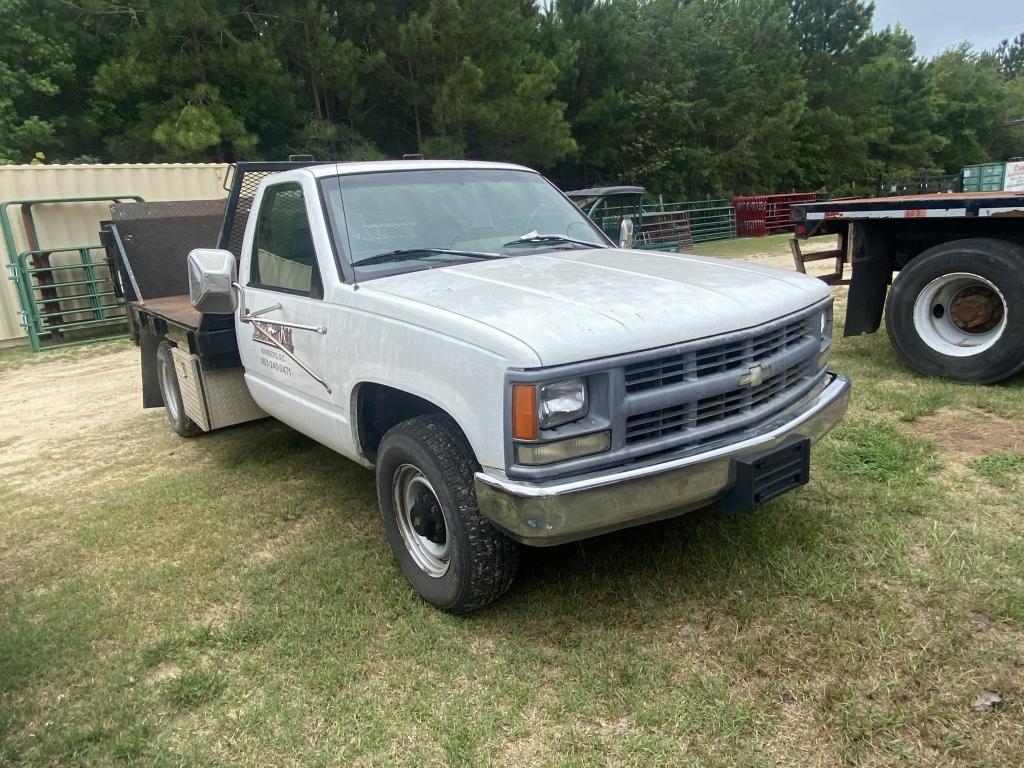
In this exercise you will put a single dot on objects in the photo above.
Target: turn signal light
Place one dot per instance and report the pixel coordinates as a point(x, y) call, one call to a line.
point(524, 411)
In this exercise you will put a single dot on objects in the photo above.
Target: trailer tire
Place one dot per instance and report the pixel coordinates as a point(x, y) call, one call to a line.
point(454, 558)
point(957, 311)
point(173, 406)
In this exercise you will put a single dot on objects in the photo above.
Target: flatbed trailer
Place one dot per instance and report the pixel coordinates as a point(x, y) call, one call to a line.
point(946, 271)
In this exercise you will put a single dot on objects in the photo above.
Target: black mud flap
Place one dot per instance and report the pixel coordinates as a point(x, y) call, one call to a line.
point(761, 477)
point(149, 342)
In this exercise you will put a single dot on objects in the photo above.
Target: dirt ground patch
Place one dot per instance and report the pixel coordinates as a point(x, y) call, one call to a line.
point(784, 261)
point(64, 421)
point(43, 404)
point(964, 434)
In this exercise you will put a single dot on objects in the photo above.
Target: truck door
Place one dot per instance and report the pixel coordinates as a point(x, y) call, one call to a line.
point(283, 334)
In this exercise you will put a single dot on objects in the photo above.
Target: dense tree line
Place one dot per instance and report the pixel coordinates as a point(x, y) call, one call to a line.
point(688, 97)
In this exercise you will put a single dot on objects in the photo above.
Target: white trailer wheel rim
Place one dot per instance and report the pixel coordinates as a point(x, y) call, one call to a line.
point(431, 557)
point(168, 387)
point(960, 314)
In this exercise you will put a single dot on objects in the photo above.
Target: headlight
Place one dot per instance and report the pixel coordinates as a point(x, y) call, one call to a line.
point(561, 402)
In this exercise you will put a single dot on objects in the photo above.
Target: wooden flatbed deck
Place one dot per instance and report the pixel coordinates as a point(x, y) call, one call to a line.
point(942, 205)
point(174, 309)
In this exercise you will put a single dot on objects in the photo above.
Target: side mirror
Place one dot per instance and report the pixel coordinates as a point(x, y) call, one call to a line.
point(626, 233)
point(211, 274)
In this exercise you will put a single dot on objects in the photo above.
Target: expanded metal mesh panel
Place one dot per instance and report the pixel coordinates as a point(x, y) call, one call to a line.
point(176, 209)
point(246, 194)
point(157, 237)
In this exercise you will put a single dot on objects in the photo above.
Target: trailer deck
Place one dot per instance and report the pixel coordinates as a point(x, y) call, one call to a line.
point(812, 219)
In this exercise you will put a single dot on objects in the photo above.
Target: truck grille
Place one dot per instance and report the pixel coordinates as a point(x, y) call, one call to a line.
point(694, 394)
point(717, 408)
point(696, 364)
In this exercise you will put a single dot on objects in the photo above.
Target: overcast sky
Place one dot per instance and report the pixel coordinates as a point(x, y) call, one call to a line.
point(941, 24)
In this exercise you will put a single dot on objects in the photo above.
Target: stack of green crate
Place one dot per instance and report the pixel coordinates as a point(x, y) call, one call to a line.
point(984, 178)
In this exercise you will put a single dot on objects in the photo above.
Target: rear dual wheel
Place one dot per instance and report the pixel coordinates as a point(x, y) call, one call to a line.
point(167, 375)
point(448, 551)
point(957, 310)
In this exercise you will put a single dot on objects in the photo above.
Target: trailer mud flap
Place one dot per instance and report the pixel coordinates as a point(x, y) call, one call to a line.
point(872, 273)
point(149, 342)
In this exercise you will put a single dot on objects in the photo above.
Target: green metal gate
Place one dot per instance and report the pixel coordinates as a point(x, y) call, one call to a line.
point(66, 293)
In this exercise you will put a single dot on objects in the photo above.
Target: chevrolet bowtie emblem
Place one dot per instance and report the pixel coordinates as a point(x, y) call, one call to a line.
point(754, 377)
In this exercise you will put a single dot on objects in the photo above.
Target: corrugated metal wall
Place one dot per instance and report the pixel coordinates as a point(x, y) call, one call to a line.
point(78, 224)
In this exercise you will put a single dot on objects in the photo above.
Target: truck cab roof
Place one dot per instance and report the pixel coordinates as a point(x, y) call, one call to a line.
point(321, 170)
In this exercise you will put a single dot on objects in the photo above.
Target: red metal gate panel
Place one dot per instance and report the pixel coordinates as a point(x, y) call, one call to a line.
point(760, 215)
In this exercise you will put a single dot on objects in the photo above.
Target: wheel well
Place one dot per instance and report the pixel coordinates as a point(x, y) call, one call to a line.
point(379, 408)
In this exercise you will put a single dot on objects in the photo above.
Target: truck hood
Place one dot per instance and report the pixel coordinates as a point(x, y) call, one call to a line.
point(571, 306)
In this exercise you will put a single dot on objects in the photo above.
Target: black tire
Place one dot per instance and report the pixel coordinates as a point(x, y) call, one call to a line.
point(997, 262)
point(481, 562)
point(167, 376)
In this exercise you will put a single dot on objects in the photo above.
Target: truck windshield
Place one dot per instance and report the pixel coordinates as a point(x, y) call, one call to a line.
point(402, 221)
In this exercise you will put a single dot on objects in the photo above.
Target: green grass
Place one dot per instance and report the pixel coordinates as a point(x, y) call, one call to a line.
point(232, 600)
point(1003, 469)
point(742, 247)
point(774, 245)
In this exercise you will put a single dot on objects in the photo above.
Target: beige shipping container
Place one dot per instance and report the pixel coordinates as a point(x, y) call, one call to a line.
point(78, 224)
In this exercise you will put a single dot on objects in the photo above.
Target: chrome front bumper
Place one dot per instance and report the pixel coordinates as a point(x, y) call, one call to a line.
point(544, 514)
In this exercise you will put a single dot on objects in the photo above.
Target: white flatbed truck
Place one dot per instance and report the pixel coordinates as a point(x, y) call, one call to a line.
point(510, 374)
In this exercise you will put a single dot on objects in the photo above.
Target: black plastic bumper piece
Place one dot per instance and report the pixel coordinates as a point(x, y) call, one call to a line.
point(763, 476)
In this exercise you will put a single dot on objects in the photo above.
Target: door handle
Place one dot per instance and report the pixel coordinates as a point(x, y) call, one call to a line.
point(246, 316)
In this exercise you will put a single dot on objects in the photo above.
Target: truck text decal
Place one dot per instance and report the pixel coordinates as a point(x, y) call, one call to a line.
point(282, 336)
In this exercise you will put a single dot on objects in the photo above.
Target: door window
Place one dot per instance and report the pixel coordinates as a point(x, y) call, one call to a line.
point(283, 257)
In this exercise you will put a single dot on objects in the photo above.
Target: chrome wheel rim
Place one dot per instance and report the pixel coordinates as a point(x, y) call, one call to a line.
point(168, 386)
point(421, 521)
point(960, 314)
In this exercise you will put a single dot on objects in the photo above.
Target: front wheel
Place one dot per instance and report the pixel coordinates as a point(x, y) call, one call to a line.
point(957, 310)
point(451, 555)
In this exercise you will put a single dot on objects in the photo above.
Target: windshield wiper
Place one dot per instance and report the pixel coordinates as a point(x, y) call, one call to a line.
point(531, 238)
point(408, 254)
